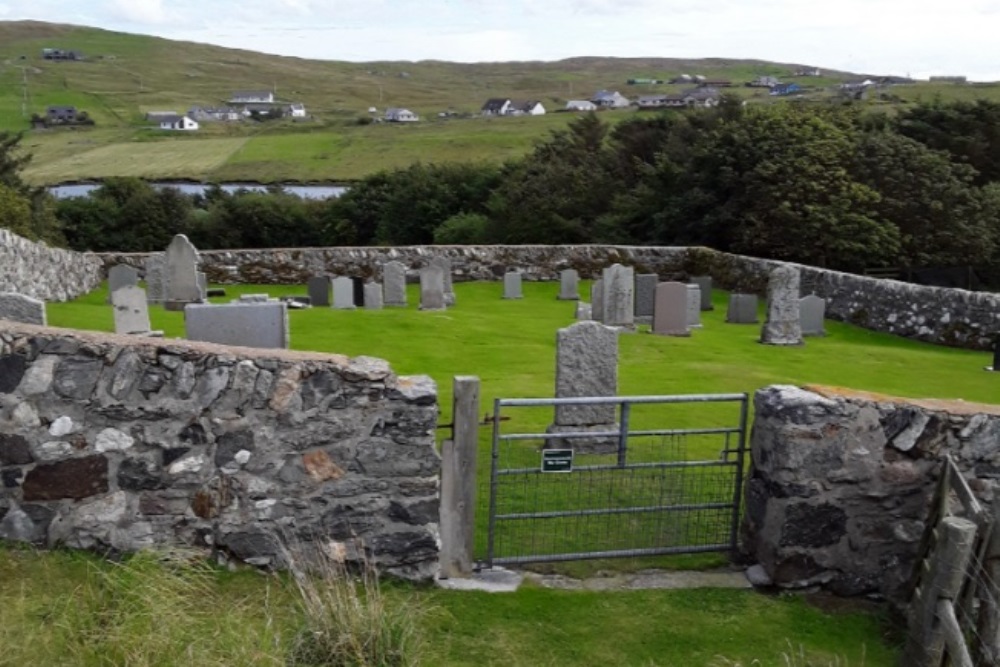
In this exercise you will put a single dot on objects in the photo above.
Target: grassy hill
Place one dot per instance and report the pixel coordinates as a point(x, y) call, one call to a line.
point(125, 76)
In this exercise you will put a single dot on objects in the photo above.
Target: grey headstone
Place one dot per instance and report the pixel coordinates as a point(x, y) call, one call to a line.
point(705, 283)
point(597, 300)
point(181, 267)
point(645, 297)
point(203, 285)
point(583, 311)
point(569, 285)
point(670, 313)
point(373, 296)
point(318, 288)
point(343, 293)
point(254, 298)
point(156, 290)
point(512, 285)
point(783, 326)
point(619, 303)
point(742, 309)
point(694, 306)
point(444, 264)
point(394, 283)
point(121, 275)
point(358, 284)
point(586, 365)
point(247, 324)
point(432, 288)
point(296, 302)
point(812, 311)
point(131, 310)
point(20, 308)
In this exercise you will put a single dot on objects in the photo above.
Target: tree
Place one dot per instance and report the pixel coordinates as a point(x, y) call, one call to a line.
point(968, 131)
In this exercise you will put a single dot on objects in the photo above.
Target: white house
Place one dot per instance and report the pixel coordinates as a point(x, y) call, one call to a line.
point(252, 97)
point(610, 99)
point(397, 115)
point(580, 105)
point(178, 123)
point(525, 108)
point(297, 110)
point(496, 106)
point(205, 114)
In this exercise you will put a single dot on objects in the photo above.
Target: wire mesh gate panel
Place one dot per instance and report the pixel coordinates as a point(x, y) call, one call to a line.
point(664, 478)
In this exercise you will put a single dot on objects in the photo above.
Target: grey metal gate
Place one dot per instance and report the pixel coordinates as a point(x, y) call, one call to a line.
point(650, 484)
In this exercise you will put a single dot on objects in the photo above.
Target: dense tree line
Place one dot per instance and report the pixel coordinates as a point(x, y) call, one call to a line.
point(828, 185)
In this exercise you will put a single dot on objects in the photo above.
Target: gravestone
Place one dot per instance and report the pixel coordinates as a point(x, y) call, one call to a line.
point(20, 308)
point(583, 311)
point(645, 297)
point(996, 355)
point(203, 285)
point(240, 323)
point(812, 311)
point(705, 284)
point(121, 275)
point(373, 296)
point(394, 282)
point(444, 264)
point(597, 300)
point(343, 293)
point(156, 290)
point(586, 365)
point(318, 288)
point(131, 310)
point(569, 285)
point(254, 298)
point(512, 285)
point(432, 288)
point(358, 285)
point(181, 270)
point(619, 303)
point(296, 302)
point(783, 326)
point(742, 309)
point(694, 306)
point(670, 312)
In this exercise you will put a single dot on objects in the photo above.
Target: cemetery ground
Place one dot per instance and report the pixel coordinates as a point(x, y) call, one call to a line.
point(510, 345)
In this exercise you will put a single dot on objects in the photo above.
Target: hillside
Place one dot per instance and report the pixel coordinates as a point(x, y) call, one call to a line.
point(124, 76)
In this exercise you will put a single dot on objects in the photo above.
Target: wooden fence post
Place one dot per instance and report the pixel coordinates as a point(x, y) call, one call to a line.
point(988, 626)
point(458, 480)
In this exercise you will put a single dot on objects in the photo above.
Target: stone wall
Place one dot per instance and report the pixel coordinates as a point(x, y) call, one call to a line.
point(49, 274)
point(937, 315)
point(120, 443)
point(841, 482)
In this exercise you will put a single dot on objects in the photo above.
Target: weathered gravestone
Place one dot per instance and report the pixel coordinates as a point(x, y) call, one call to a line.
point(253, 298)
point(242, 323)
point(783, 325)
point(20, 308)
point(619, 303)
point(432, 288)
point(394, 282)
point(597, 300)
point(645, 297)
point(181, 270)
point(373, 296)
point(444, 264)
point(512, 285)
point(156, 290)
point(343, 293)
point(694, 306)
point(358, 285)
point(569, 285)
point(583, 311)
point(705, 284)
point(131, 310)
point(670, 312)
point(121, 275)
point(742, 309)
point(318, 288)
point(812, 311)
point(586, 365)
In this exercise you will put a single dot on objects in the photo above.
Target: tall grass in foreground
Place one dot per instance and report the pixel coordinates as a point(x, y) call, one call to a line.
point(794, 658)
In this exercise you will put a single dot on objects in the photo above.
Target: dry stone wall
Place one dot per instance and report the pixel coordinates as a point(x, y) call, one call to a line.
point(120, 443)
point(49, 274)
point(841, 482)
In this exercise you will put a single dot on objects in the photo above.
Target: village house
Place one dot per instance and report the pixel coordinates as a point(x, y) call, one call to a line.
point(525, 108)
point(61, 54)
point(60, 114)
point(178, 122)
point(297, 110)
point(580, 105)
point(252, 97)
point(495, 106)
point(610, 99)
point(783, 89)
point(400, 115)
point(764, 82)
point(220, 114)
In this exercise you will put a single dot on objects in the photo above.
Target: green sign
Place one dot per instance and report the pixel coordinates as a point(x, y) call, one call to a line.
point(557, 460)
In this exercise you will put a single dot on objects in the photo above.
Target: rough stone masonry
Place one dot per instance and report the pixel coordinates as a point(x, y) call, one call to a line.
point(116, 444)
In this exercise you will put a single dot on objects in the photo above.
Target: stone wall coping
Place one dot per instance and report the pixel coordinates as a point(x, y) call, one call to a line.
point(951, 406)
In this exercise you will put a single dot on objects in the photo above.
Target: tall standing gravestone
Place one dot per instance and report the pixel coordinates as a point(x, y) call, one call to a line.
point(343, 293)
point(131, 310)
point(20, 308)
point(694, 306)
point(645, 297)
point(996, 355)
point(569, 285)
point(597, 300)
point(705, 284)
point(444, 264)
point(358, 285)
point(742, 309)
point(394, 283)
point(432, 288)
point(182, 274)
point(619, 303)
point(512, 285)
point(318, 288)
point(586, 365)
point(156, 289)
point(812, 311)
point(373, 296)
point(121, 275)
point(202, 285)
point(246, 323)
point(783, 325)
point(670, 312)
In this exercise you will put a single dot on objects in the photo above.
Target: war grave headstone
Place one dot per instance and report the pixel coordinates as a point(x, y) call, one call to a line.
point(586, 365)
point(742, 309)
point(694, 306)
point(670, 312)
point(583, 311)
point(444, 264)
point(394, 283)
point(155, 278)
point(132, 311)
point(512, 285)
point(20, 308)
point(569, 285)
point(318, 288)
point(597, 300)
point(121, 275)
point(705, 284)
point(358, 285)
point(248, 324)
point(181, 270)
point(619, 303)
point(432, 295)
point(343, 293)
point(645, 297)
point(783, 325)
point(373, 296)
point(812, 311)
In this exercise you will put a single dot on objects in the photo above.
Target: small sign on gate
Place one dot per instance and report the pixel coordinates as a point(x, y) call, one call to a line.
point(557, 460)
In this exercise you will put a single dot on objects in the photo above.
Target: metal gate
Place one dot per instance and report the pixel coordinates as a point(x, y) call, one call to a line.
point(664, 476)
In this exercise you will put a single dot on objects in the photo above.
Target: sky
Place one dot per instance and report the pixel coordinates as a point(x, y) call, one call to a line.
point(918, 38)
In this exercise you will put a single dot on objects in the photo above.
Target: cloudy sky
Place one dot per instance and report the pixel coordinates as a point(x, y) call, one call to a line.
point(915, 37)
